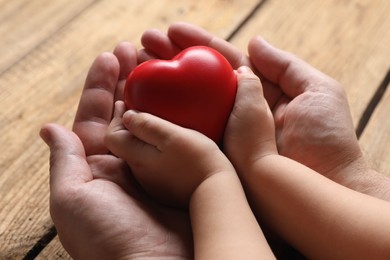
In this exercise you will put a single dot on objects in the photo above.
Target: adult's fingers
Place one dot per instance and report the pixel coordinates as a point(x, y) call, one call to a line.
point(182, 35)
point(68, 165)
point(126, 54)
point(290, 73)
point(96, 103)
point(158, 44)
point(185, 35)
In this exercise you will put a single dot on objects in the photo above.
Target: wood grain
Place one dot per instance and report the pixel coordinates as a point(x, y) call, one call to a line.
point(26, 24)
point(53, 251)
point(44, 85)
point(375, 139)
point(349, 40)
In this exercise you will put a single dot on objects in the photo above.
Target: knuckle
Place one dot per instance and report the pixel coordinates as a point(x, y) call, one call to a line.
point(141, 122)
point(251, 79)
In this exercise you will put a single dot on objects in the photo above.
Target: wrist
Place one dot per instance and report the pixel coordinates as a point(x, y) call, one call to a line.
point(210, 185)
point(222, 222)
point(250, 164)
point(245, 152)
point(359, 176)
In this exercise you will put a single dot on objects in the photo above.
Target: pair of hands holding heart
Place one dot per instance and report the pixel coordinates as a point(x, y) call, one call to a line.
point(196, 89)
point(103, 183)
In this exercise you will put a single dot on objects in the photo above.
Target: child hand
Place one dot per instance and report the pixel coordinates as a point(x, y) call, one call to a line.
point(250, 133)
point(169, 161)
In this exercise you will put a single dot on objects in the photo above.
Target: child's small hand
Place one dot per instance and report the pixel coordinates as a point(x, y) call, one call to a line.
point(250, 132)
point(169, 161)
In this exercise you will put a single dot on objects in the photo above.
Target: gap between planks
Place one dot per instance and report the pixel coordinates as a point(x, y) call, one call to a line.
point(245, 20)
point(376, 98)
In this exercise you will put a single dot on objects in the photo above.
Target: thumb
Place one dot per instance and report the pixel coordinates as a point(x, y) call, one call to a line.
point(249, 97)
point(249, 86)
point(251, 120)
point(68, 165)
point(293, 75)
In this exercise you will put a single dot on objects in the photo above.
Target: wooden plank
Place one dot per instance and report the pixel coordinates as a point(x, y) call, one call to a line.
point(54, 251)
point(45, 86)
point(375, 140)
point(25, 24)
point(348, 40)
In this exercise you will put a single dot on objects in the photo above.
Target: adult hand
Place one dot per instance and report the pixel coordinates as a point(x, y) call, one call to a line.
point(96, 206)
point(312, 117)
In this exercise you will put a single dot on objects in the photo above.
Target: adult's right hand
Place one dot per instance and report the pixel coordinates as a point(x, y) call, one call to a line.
point(312, 117)
point(313, 120)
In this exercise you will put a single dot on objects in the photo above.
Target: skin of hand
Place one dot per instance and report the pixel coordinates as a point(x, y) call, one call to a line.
point(97, 207)
point(312, 118)
point(322, 219)
point(305, 208)
point(169, 161)
point(183, 168)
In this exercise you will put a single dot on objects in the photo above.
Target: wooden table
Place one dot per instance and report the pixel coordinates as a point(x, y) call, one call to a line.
point(46, 48)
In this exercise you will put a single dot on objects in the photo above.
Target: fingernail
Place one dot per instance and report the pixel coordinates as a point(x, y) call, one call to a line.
point(132, 112)
point(244, 69)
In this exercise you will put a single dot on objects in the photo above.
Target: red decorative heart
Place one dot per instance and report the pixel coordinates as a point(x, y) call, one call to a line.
point(196, 89)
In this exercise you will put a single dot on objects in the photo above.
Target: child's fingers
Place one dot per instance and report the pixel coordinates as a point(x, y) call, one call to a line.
point(250, 112)
point(137, 137)
point(116, 122)
point(150, 129)
point(250, 90)
point(118, 139)
point(116, 133)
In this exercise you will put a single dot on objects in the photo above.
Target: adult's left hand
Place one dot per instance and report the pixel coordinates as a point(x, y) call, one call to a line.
point(96, 206)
